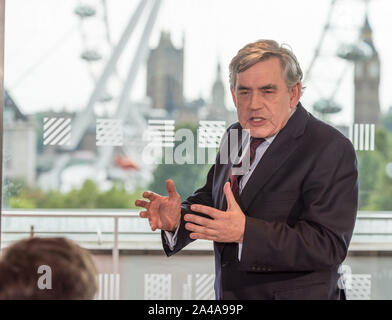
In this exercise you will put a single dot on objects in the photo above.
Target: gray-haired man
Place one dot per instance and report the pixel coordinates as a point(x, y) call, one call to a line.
point(282, 229)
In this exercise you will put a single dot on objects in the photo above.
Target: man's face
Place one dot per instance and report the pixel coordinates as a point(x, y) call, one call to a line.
point(263, 101)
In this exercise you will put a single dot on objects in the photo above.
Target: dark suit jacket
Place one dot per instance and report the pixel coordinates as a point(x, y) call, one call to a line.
point(300, 205)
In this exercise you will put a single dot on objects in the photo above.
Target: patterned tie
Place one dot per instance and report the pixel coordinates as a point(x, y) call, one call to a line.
point(234, 179)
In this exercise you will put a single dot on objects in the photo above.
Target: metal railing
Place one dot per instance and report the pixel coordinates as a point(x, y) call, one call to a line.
point(373, 232)
point(368, 224)
point(115, 215)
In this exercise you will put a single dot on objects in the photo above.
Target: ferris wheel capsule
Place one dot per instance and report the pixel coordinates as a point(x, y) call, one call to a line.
point(91, 55)
point(105, 97)
point(355, 52)
point(85, 11)
point(327, 106)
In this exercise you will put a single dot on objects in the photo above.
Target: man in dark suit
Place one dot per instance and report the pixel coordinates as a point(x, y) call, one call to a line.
point(281, 228)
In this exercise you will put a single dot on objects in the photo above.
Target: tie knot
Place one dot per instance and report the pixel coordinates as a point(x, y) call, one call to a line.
point(255, 142)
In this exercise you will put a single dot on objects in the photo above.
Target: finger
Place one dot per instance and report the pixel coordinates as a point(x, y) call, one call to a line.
point(196, 235)
point(142, 203)
point(199, 220)
point(212, 212)
point(144, 214)
point(231, 202)
point(150, 195)
point(152, 223)
point(199, 229)
point(171, 189)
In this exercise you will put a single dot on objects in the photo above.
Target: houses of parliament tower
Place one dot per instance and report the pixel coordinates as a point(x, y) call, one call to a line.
point(367, 80)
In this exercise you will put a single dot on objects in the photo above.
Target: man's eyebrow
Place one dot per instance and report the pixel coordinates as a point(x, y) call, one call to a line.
point(241, 87)
point(268, 87)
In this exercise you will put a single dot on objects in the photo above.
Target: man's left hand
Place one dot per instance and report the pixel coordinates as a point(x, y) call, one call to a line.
point(225, 226)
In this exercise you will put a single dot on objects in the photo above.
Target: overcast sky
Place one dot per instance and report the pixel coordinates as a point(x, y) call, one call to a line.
point(43, 42)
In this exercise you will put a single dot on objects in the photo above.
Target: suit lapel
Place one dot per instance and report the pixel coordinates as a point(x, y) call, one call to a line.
point(222, 197)
point(275, 156)
point(227, 168)
point(224, 177)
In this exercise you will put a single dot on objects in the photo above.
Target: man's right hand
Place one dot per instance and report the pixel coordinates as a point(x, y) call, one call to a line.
point(162, 212)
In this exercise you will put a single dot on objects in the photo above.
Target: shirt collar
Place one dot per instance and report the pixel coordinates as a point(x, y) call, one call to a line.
point(270, 139)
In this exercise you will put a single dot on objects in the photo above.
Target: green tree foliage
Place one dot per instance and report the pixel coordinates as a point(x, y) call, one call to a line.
point(375, 185)
point(187, 177)
point(88, 196)
point(381, 198)
point(369, 164)
point(117, 197)
point(387, 120)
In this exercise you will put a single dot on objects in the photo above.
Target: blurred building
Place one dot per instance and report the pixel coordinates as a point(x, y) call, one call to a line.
point(367, 80)
point(165, 71)
point(165, 68)
point(216, 109)
point(217, 106)
point(19, 144)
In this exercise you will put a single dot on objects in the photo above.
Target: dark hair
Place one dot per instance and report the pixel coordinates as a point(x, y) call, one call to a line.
point(73, 273)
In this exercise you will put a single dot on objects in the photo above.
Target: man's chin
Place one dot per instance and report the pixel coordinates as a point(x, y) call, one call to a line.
point(260, 132)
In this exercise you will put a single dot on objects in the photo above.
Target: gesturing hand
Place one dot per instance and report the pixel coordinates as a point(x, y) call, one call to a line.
point(226, 226)
point(162, 212)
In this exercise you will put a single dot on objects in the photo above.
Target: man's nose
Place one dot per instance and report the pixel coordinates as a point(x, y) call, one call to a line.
point(257, 102)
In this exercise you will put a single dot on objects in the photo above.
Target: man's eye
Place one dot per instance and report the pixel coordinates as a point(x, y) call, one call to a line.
point(242, 93)
point(268, 91)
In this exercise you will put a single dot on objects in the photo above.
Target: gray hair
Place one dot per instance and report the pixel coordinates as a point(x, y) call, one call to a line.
point(262, 50)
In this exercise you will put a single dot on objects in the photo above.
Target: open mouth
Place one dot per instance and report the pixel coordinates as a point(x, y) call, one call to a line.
point(257, 121)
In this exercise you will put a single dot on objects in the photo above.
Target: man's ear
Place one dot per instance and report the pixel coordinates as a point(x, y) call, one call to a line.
point(295, 94)
point(233, 96)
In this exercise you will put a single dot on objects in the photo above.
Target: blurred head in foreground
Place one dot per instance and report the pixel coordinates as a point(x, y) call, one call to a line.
point(47, 268)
